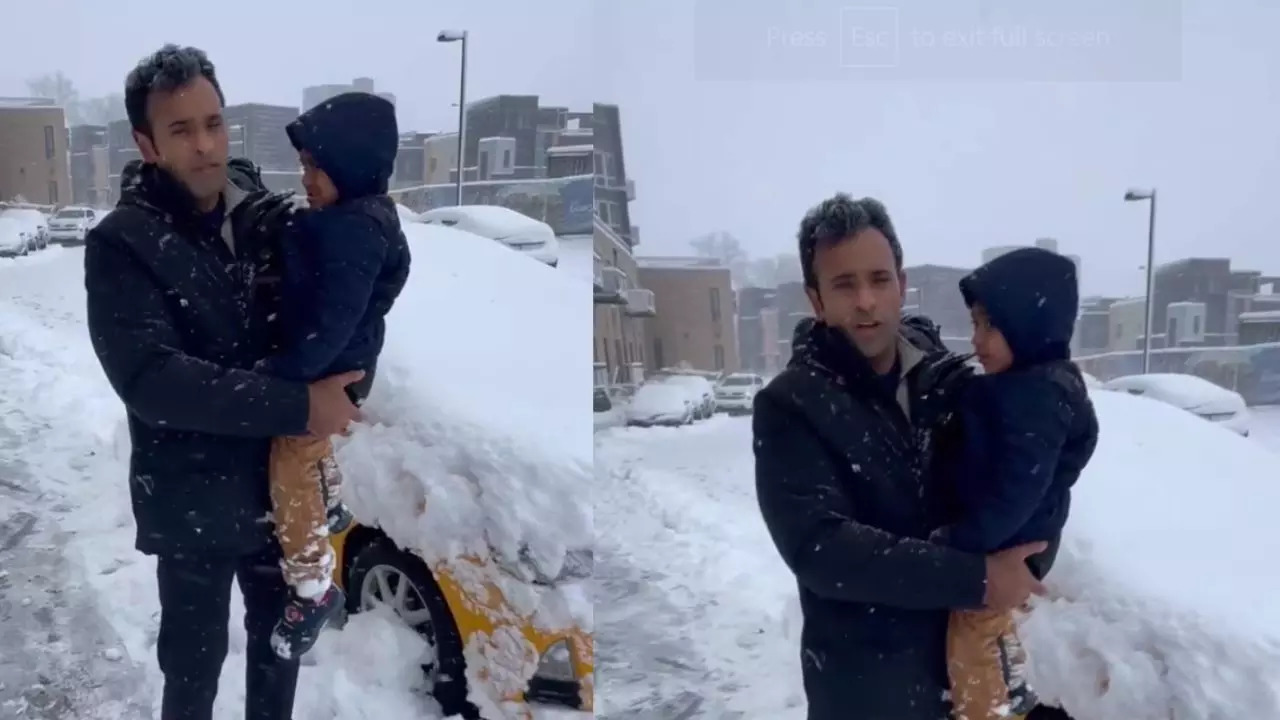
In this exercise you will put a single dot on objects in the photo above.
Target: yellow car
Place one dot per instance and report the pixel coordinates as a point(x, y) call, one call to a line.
point(553, 667)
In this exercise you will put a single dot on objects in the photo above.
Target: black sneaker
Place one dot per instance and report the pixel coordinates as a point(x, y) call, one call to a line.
point(296, 632)
point(340, 518)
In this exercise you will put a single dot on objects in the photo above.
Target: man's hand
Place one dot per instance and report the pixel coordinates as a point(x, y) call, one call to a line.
point(1009, 580)
point(331, 410)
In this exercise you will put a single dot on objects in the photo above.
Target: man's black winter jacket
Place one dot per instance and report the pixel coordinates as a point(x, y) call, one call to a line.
point(180, 306)
point(845, 482)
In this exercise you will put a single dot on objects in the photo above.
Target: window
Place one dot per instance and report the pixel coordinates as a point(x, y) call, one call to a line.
point(1195, 326)
point(506, 158)
point(48, 142)
point(657, 353)
point(719, 357)
point(53, 192)
point(617, 346)
point(715, 305)
point(615, 257)
point(431, 166)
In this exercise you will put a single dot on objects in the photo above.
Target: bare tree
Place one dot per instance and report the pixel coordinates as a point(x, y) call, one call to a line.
point(58, 87)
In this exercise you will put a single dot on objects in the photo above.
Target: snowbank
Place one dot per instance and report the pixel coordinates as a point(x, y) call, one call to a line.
point(1167, 576)
point(479, 430)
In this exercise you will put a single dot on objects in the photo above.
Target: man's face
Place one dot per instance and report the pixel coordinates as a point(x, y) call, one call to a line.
point(188, 138)
point(321, 191)
point(860, 292)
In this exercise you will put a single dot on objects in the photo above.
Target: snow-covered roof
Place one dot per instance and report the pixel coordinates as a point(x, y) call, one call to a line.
point(1260, 316)
point(679, 263)
point(570, 149)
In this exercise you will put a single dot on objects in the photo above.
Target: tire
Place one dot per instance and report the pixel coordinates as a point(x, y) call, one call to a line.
point(450, 687)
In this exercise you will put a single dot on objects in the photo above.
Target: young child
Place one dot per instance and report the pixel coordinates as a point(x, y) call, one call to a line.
point(1029, 430)
point(345, 263)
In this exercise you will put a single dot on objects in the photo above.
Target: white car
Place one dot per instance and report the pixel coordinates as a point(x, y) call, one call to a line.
point(69, 225)
point(15, 238)
point(1191, 393)
point(660, 404)
point(699, 389)
point(515, 230)
point(35, 222)
point(736, 393)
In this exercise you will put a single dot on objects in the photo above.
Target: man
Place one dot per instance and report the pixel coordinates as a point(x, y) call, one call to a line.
point(178, 311)
point(843, 446)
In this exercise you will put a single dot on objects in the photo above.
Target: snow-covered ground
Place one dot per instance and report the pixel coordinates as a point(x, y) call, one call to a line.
point(1162, 596)
point(78, 604)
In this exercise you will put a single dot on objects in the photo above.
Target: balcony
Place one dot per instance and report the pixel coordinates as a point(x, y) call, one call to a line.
point(598, 270)
point(640, 302)
point(609, 292)
point(631, 190)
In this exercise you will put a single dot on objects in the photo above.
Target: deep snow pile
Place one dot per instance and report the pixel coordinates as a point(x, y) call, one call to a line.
point(1167, 575)
point(1162, 595)
point(479, 432)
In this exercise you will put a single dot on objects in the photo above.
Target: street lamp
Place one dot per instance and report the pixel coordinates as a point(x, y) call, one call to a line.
point(1135, 196)
point(460, 36)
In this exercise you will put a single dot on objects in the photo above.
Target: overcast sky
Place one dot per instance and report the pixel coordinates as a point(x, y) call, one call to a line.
point(738, 115)
point(268, 50)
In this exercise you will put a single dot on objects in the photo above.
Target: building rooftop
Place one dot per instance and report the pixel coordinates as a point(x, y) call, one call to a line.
point(1260, 316)
point(671, 262)
point(27, 102)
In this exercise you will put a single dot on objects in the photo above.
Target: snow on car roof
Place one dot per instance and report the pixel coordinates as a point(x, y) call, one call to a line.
point(1180, 389)
point(477, 437)
point(493, 220)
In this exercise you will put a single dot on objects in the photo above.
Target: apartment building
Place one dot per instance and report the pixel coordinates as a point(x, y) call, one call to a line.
point(33, 152)
point(695, 320)
point(621, 306)
point(88, 165)
point(315, 94)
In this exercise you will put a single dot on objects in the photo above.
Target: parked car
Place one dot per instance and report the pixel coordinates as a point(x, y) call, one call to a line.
point(15, 238)
point(701, 392)
point(515, 230)
point(35, 222)
point(69, 225)
point(658, 403)
point(736, 393)
point(1191, 393)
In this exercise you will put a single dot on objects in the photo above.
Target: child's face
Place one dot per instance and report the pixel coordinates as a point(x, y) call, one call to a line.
point(989, 344)
point(320, 189)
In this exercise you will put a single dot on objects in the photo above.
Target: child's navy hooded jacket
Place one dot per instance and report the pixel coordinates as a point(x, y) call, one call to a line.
point(1030, 430)
point(344, 265)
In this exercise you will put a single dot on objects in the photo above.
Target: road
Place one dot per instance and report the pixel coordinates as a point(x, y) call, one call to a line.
point(59, 657)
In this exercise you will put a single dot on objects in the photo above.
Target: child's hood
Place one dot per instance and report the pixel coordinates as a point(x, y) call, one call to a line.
point(1032, 298)
point(353, 138)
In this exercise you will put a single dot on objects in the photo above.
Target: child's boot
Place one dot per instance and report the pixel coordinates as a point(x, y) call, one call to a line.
point(297, 631)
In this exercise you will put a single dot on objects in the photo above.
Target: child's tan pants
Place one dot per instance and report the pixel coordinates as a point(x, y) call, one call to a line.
point(303, 476)
point(985, 662)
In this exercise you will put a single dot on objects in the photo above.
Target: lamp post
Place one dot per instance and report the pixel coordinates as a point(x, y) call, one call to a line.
point(459, 36)
point(1135, 196)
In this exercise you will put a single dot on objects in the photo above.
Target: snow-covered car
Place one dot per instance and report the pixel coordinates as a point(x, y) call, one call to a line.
point(1191, 393)
point(661, 404)
point(474, 526)
point(736, 393)
point(35, 223)
point(15, 238)
point(1157, 604)
point(515, 230)
point(69, 225)
point(699, 389)
point(406, 215)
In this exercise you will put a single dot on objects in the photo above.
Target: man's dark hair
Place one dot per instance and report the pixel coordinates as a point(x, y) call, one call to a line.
point(839, 218)
point(165, 70)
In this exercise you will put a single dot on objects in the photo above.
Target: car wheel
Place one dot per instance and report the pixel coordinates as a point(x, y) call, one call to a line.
point(382, 574)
